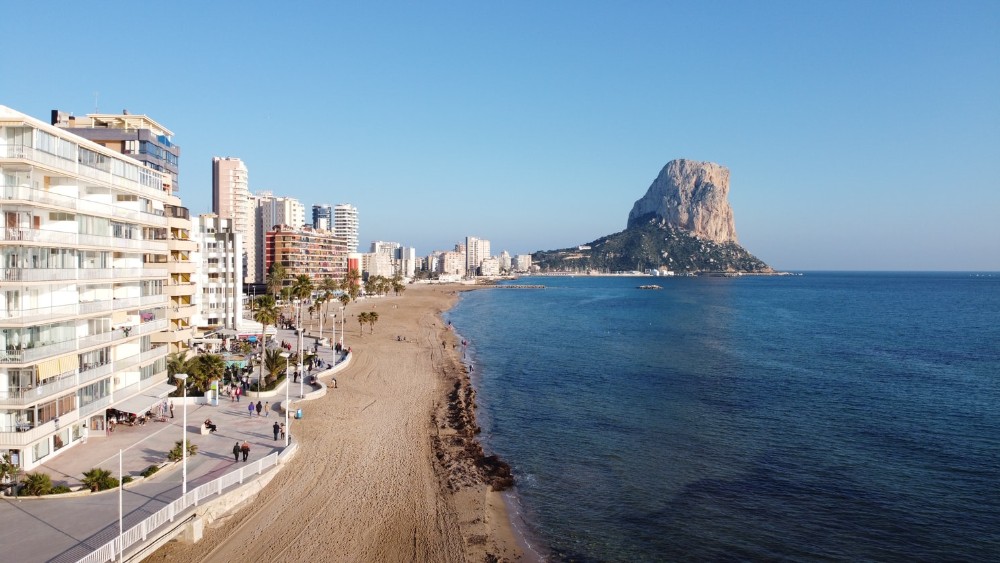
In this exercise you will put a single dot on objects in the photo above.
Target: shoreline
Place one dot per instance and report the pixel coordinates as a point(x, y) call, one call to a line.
point(390, 467)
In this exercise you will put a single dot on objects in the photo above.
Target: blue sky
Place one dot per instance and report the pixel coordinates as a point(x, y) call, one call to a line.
point(859, 135)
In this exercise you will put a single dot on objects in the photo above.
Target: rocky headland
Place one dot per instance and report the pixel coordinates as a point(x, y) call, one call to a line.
point(683, 223)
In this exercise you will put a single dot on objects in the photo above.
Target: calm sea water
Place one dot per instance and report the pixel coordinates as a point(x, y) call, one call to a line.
point(829, 416)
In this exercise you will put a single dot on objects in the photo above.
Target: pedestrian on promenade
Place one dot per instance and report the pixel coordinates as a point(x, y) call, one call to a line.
point(250, 408)
point(238, 392)
point(245, 448)
point(236, 451)
point(267, 409)
point(282, 430)
point(171, 409)
point(259, 408)
point(277, 429)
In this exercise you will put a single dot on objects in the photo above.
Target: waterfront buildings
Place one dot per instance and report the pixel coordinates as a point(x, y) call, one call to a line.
point(522, 263)
point(322, 217)
point(476, 250)
point(84, 287)
point(317, 254)
point(231, 200)
point(345, 224)
point(270, 211)
point(218, 276)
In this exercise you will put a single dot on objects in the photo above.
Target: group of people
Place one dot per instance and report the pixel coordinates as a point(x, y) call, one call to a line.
point(258, 408)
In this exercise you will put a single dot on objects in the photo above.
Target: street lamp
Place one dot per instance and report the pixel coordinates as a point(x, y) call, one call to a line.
point(184, 446)
point(343, 317)
point(333, 336)
point(302, 376)
point(288, 429)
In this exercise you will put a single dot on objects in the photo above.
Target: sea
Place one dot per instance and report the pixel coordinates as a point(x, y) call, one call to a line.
point(823, 416)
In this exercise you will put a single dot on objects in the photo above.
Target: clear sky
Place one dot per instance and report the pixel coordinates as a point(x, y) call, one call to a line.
point(859, 135)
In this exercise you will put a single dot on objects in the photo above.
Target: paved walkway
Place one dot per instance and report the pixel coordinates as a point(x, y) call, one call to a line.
point(66, 528)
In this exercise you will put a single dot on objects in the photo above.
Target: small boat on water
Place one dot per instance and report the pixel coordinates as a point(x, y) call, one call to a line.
point(653, 286)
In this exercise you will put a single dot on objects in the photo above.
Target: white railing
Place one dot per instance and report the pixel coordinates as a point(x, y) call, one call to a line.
point(141, 531)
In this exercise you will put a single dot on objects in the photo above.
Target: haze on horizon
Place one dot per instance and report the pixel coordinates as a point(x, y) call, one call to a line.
point(859, 135)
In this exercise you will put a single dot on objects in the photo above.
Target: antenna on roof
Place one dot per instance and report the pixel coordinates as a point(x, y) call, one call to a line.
point(95, 102)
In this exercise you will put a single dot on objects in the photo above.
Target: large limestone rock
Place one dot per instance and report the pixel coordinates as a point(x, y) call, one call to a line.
point(692, 196)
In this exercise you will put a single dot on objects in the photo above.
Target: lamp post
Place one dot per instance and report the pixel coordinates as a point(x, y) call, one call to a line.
point(288, 429)
point(343, 317)
point(333, 336)
point(302, 376)
point(184, 446)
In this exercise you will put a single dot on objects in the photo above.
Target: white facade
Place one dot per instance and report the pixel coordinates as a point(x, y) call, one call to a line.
point(231, 200)
point(490, 267)
point(218, 265)
point(407, 261)
point(451, 263)
point(345, 224)
point(476, 250)
point(84, 286)
point(505, 261)
point(522, 263)
point(271, 211)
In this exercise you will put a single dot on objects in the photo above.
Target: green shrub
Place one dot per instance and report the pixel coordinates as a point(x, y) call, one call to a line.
point(36, 484)
point(127, 479)
point(98, 479)
point(176, 454)
point(60, 489)
point(150, 470)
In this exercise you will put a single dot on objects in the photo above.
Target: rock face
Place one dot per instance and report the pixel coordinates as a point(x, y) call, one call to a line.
point(691, 196)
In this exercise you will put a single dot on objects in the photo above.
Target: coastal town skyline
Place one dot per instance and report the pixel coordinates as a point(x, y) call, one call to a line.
point(538, 126)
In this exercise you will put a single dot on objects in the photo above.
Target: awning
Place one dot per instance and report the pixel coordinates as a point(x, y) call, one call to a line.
point(145, 400)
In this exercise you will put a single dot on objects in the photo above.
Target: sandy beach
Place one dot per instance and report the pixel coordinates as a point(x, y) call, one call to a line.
point(388, 467)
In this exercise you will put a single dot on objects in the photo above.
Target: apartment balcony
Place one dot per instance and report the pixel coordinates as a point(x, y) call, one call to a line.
point(173, 336)
point(182, 244)
point(37, 316)
point(182, 311)
point(153, 300)
point(155, 272)
point(179, 222)
point(32, 196)
point(94, 307)
point(120, 303)
point(180, 267)
point(179, 289)
point(21, 440)
point(152, 327)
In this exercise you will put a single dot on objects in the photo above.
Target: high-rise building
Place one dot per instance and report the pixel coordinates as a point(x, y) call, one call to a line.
point(138, 136)
point(505, 261)
point(522, 263)
point(84, 287)
point(218, 273)
point(476, 250)
point(145, 140)
point(306, 251)
point(231, 200)
point(345, 224)
point(322, 217)
point(269, 212)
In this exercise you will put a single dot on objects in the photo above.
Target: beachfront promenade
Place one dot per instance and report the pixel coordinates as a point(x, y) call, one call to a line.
point(68, 527)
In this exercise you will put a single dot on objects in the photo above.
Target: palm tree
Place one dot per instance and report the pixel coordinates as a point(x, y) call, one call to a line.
point(204, 369)
point(176, 363)
point(397, 284)
point(372, 319)
point(362, 320)
point(351, 285)
point(36, 484)
point(98, 479)
point(266, 314)
point(276, 279)
point(275, 365)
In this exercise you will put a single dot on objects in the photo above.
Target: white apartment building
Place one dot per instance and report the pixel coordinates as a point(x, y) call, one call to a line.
point(218, 273)
point(522, 263)
point(476, 250)
point(505, 261)
point(83, 287)
point(345, 224)
point(269, 212)
point(451, 263)
point(231, 200)
point(407, 256)
point(490, 267)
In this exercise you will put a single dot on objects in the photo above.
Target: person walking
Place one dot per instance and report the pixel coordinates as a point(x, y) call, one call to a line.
point(236, 451)
point(238, 392)
point(259, 408)
point(250, 408)
point(282, 430)
point(267, 409)
point(171, 409)
point(277, 429)
point(245, 448)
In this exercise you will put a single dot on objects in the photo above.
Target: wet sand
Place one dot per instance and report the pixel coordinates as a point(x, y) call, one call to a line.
point(389, 468)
